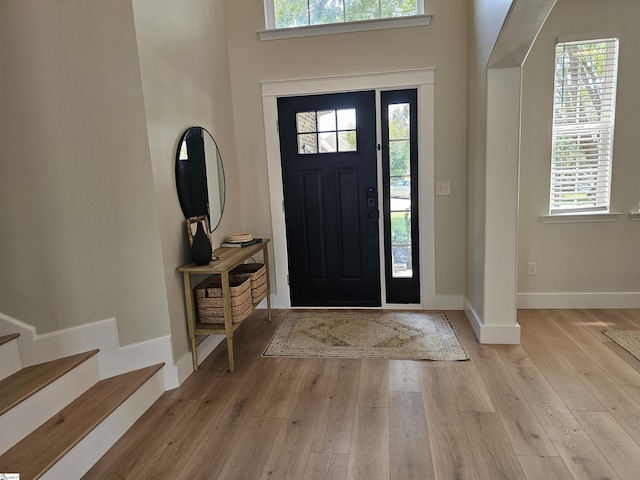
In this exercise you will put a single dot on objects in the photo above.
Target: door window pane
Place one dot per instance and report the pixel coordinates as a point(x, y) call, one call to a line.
point(399, 116)
point(347, 141)
point(401, 244)
point(327, 131)
point(399, 121)
point(399, 158)
point(326, 120)
point(327, 142)
point(347, 119)
point(306, 122)
point(307, 143)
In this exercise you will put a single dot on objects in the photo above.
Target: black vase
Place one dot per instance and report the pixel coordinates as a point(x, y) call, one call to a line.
point(201, 247)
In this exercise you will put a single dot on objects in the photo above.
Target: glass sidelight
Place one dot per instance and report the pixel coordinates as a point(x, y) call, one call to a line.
point(400, 195)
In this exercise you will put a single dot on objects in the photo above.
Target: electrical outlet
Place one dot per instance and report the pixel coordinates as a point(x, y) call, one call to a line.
point(531, 268)
point(443, 188)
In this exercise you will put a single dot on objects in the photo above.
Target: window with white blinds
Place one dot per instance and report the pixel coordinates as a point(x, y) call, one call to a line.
point(583, 123)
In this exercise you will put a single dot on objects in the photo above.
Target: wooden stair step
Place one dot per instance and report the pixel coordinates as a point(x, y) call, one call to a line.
point(7, 338)
point(30, 380)
point(40, 450)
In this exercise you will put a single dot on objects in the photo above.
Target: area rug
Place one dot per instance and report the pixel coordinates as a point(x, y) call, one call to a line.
point(627, 339)
point(366, 334)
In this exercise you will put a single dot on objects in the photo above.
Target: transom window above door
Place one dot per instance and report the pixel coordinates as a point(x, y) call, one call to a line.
point(280, 14)
point(326, 131)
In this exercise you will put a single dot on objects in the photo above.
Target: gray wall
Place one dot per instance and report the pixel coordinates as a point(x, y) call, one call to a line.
point(485, 20)
point(580, 257)
point(441, 45)
point(184, 65)
point(80, 230)
point(95, 96)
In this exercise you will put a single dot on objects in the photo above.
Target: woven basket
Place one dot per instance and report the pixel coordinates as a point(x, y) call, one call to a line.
point(211, 304)
point(258, 293)
point(257, 273)
point(239, 237)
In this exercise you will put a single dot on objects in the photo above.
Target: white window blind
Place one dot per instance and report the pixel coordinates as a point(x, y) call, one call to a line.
point(583, 123)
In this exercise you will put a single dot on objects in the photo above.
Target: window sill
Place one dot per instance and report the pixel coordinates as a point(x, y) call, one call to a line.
point(634, 216)
point(346, 27)
point(587, 217)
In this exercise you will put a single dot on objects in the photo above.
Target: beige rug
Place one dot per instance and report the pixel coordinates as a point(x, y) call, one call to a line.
point(366, 334)
point(627, 339)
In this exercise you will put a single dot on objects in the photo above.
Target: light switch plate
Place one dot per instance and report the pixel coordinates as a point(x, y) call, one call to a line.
point(443, 188)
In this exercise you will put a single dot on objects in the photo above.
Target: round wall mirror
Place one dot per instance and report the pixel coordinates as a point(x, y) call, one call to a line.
point(200, 176)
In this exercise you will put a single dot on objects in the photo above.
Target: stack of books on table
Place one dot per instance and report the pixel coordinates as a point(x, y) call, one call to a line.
point(240, 240)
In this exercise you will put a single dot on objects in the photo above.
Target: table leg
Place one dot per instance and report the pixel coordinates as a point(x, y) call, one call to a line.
point(191, 318)
point(265, 253)
point(230, 351)
point(228, 316)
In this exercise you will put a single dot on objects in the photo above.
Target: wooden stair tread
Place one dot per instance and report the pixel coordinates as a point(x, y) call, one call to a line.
point(41, 449)
point(29, 380)
point(8, 338)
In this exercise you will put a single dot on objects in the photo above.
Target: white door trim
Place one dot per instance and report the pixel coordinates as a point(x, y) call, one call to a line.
point(423, 80)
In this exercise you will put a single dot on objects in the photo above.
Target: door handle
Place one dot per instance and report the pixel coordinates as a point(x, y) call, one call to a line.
point(372, 203)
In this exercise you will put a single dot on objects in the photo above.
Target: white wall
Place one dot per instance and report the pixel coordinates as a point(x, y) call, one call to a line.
point(583, 257)
point(441, 45)
point(485, 21)
point(80, 229)
point(184, 65)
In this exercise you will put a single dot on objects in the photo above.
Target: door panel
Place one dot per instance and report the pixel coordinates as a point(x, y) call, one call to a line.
point(314, 223)
point(328, 152)
point(349, 230)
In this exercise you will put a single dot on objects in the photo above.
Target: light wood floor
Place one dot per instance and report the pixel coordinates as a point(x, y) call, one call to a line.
point(565, 404)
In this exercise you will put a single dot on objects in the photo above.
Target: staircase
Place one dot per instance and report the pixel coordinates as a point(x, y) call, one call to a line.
point(58, 418)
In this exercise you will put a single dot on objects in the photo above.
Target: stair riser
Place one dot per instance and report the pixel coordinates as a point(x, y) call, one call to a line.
point(86, 453)
point(25, 417)
point(9, 359)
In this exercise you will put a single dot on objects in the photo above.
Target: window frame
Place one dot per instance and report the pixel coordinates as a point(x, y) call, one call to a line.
point(601, 211)
point(401, 289)
point(270, 31)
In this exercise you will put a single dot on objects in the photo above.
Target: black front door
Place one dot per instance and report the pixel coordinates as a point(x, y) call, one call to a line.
point(328, 152)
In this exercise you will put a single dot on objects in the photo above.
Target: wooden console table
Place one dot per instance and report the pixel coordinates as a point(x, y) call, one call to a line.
point(228, 258)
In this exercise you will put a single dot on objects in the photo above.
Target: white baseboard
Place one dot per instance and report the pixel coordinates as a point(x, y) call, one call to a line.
point(579, 300)
point(113, 359)
point(9, 358)
point(277, 301)
point(491, 334)
point(92, 447)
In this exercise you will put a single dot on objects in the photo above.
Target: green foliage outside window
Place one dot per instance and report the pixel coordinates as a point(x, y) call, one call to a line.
point(297, 13)
point(399, 131)
point(400, 228)
point(584, 116)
